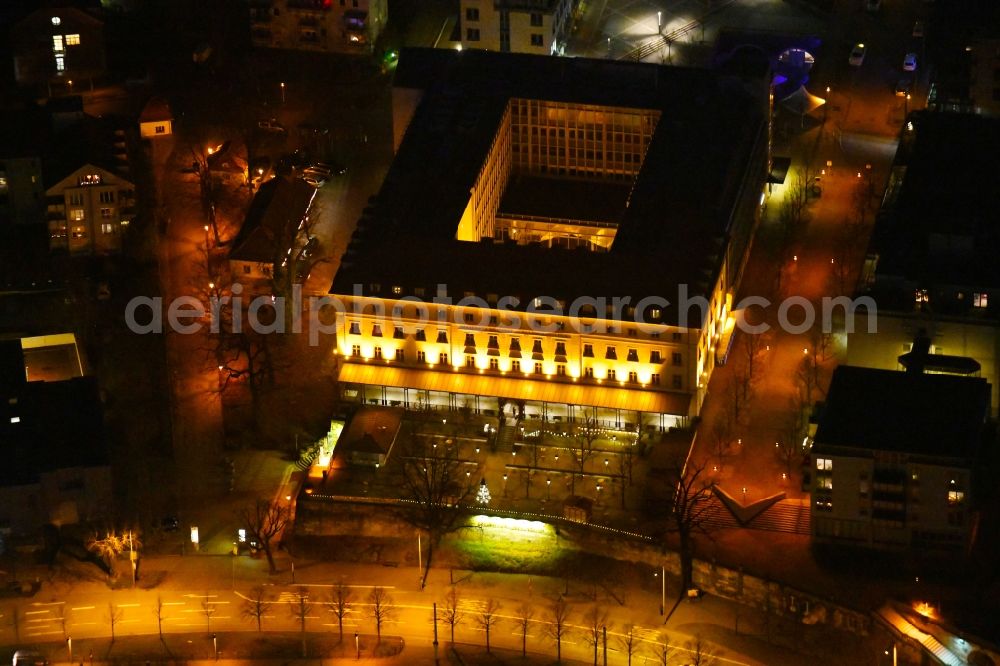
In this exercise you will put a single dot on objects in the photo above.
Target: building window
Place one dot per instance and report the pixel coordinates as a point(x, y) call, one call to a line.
point(355, 350)
point(515, 365)
point(421, 336)
point(824, 481)
point(397, 333)
point(633, 356)
point(76, 199)
point(468, 317)
point(471, 14)
point(588, 351)
point(561, 370)
point(956, 498)
point(633, 377)
point(980, 300)
point(824, 504)
point(655, 313)
point(654, 379)
point(72, 40)
point(675, 336)
point(400, 355)
point(421, 357)
point(76, 214)
point(106, 213)
point(107, 228)
point(60, 64)
point(376, 331)
point(355, 328)
point(611, 354)
point(676, 358)
point(246, 269)
point(470, 361)
point(378, 353)
point(538, 368)
point(612, 374)
point(57, 43)
point(588, 373)
point(537, 40)
point(443, 358)
point(494, 364)
point(536, 19)
point(442, 338)
point(654, 357)
point(56, 20)
point(160, 129)
point(632, 333)
point(824, 464)
point(396, 289)
point(676, 381)
point(472, 34)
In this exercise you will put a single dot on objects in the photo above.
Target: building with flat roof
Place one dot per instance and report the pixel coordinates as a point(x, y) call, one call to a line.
point(516, 26)
point(900, 474)
point(331, 26)
point(534, 191)
point(932, 267)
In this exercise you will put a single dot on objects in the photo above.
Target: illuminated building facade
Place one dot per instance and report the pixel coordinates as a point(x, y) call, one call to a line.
point(556, 203)
point(88, 211)
point(901, 475)
point(516, 26)
point(336, 26)
point(58, 46)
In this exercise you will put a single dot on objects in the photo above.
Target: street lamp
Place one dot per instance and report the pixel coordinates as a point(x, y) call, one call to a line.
point(659, 22)
point(282, 92)
point(663, 587)
point(357, 646)
point(215, 647)
point(906, 106)
point(69, 647)
point(548, 489)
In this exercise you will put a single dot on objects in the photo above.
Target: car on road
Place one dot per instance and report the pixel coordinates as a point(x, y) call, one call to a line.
point(918, 29)
point(873, 5)
point(318, 169)
point(314, 179)
point(910, 62)
point(903, 87)
point(271, 125)
point(857, 55)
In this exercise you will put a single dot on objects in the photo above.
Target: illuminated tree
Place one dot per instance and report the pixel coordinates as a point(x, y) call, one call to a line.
point(629, 642)
point(263, 520)
point(522, 616)
point(339, 604)
point(692, 493)
point(558, 624)
point(595, 624)
point(451, 613)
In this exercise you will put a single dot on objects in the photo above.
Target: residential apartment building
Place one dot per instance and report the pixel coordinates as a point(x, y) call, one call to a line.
point(332, 26)
point(516, 26)
point(88, 210)
point(275, 222)
point(900, 475)
point(56, 46)
point(931, 266)
point(536, 210)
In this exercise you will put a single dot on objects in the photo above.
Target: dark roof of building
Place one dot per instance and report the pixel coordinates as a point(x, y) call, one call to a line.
point(570, 199)
point(50, 426)
point(941, 225)
point(887, 410)
point(274, 215)
point(90, 140)
point(672, 227)
point(372, 430)
point(157, 108)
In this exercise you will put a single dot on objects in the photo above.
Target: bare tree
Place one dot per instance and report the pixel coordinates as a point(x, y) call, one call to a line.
point(451, 613)
point(208, 609)
point(160, 614)
point(629, 642)
point(721, 439)
point(754, 345)
point(583, 449)
point(692, 494)
point(15, 622)
point(255, 606)
point(246, 355)
point(522, 616)
point(339, 604)
point(662, 650)
point(63, 617)
point(296, 251)
point(435, 482)
point(558, 626)
point(487, 618)
point(107, 549)
point(300, 609)
point(701, 653)
point(264, 520)
point(115, 615)
point(382, 608)
point(595, 621)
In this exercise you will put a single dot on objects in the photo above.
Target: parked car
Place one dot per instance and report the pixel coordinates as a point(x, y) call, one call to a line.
point(270, 125)
point(903, 87)
point(910, 62)
point(873, 5)
point(315, 180)
point(857, 55)
point(918, 29)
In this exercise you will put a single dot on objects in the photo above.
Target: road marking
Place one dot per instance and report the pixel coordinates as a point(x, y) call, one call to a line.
point(83, 608)
point(128, 605)
point(44, 633)
point(174, 603)
point(40, 619)
point(35, 612)
point(47, 603)
point(201, 596)
point(80, 624)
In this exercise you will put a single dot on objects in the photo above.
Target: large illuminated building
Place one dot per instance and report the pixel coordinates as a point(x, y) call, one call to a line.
point(534, 191)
